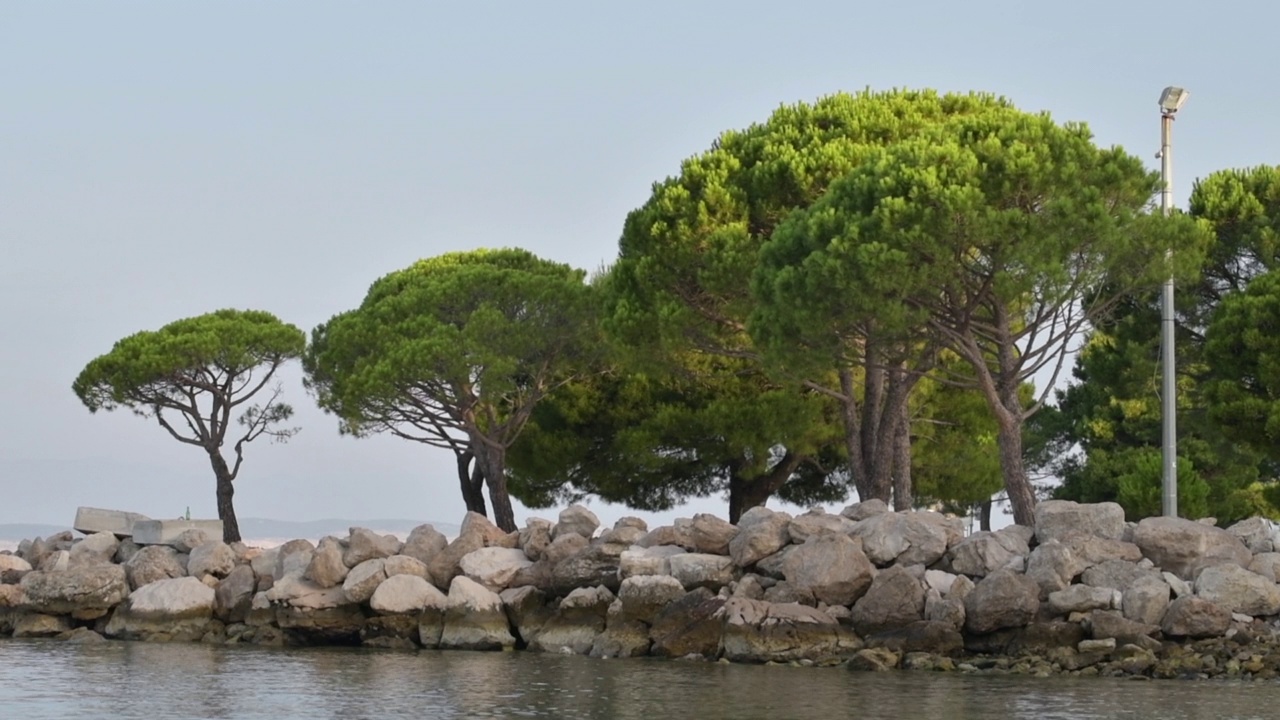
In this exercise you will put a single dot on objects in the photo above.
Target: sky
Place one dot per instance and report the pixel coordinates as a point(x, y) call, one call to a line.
point(160, 160)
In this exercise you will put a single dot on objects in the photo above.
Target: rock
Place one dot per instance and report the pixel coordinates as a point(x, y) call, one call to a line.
point(863, 510)
point(124, 553)
point(910, 538)
point(579, 618)
point(939, 580)
point(363, 580)
point(1079, 599)
point(621, 637)
point(785, 592)
point(474, 618)
point(86, 592)
point(645, 596)
point(1003, 599)
point(710, 535)
point(647, 561)
point(818, 522)
point(677, 535)
point(327, 568)
point(152, 563)
point(873, 660)
point(494, 567)
point(527, 611)
point(405, 565)
point(405, 594)
point(364, 544)
point(395, 631)
point(424, 543)
point(1238, 590)
point(339, 624)
point(939, 638)
point(167, 532)
point(831, 567)
point(948, 611)
point(214, 558)
point(1180, 587)
point(81, 636)
point(1195, 617)
point(1093, 550)
point(983, 553)
point(1267, 565)
point(756, 631)
point(960, 588)
point(1146, 600)
point(1256, 533)
point(1053, 566)
point(38, 625)
point(264, 566)
point(1115, 574)
point(1185, 547)
point(178, 608)
point(296, 591)
point(535, 537)
point(761, 533)
point(234, 594)
point(1056, 519)
point(688, 626)
point(56, 561)
point(695, 570)
point(771, 567)
point(97, 548)
point(593, 565)
point(1111, 624)
point(95, 520)
point(564, 547)
point(894, 600)
point(292, 557)
point(1103, 645)
point(189, 540)
point(12, 568)
point(578, 520)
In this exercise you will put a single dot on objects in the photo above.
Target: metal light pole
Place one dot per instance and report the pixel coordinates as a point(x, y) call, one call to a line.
point(1170, 101)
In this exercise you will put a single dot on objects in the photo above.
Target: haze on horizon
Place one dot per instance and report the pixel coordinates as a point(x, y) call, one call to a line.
point(161, 160)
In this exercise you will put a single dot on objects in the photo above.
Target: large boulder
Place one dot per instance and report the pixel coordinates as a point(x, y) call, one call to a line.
point(925, 636)
point(758, 631)
point(178, 609)
point(578, 620)
point(1267, 565)
point(364, 544)
point(1257, 533)
point(761, 533)
point(474, 618)
point(621, 637)
point(214, 558)
point(1093, 549)
point(494, 567)
point(831, 567)
point(908, 538)
point(1185, 547)
point(1053, 566)
point(152, 563)
point(1146, 600)
point(527, 611)
point(578, 520)
point(594, 565)
point(863, 510)
point(647, 560)
point(405, 565)
point(1195, 617)
point(1003, 599)
point(12, 568)
point(645, 596)
point(688, 626)
point(702, 570)
point(534, 538)
point(424, 543)
point(1079, 599)
point(363, 580)
point(894, 600)
point(1116, 574)
point(476, 532)
point(85, 592)
point(37, 625)
point(233, 595)
point(1055, 519)
point(291, 557)
point(818, 522)
point(710, 534)
point(97, 548)
point(1239, 590)
point(405, 595)
point(983, 553)
point(326, 568)
point(675, 534)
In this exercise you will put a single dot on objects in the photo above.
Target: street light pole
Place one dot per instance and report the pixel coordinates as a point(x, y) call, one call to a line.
point(1170, 101)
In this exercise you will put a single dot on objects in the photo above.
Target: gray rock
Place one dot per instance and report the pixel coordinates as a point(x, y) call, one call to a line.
point(405, 594)
point(1055, 519)
point(818, 522)
point(1239, 590)
point(711, 535)
point(1115, 574)
point(761, 533)
point(831, 567)
point(621, 637)
point(234, 594)
point(1053, 566)
point(363, 580)
point(1002, 599)
point(124, 553)
point(12, 568)
point(189, 540)
point(946, 611)
point(424, 543)
point(578, 520)
point(863, 510)
point(924, 636)
point(151, 563)
point(695, 570)
point(771, 567)
point(405, 565)
point(474, 618)
point(895, 599)
point(364, 544)
point(1146, 600)
point(784, 592)
point(291, 557)
point(179, 608)
point(214, 558)
point(593, 565)
point(983, 553)
point(1180, 587)
point(939, 580)
point(578, 620)
point(756, 631)
point(909, 538)
point(1195, 617)
point(38, 625)
point(689, 626)
point(327, 568)
point(1111, 624)
point(1256, 533)
point(527, 611)
point(56, 561)
point(87, 591)
point(494, 567)
point(534, 538)
point(677, 535)
point(1094, 550)
point(564, 547)
point(96, 548)
point(647, 561)
point(1079, 599)
point(1184, 547)
point(644, 596)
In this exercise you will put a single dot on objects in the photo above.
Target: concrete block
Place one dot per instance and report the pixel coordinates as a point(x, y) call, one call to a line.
point(165, 532)
point(95, 520)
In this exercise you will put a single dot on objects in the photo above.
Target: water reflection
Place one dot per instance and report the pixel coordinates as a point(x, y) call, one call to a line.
point(43, 679)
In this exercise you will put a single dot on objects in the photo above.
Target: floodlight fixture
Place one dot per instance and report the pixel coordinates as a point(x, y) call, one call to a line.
point(1172, 98)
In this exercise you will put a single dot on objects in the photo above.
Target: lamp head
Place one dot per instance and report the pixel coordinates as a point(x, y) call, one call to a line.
point(1172, 99)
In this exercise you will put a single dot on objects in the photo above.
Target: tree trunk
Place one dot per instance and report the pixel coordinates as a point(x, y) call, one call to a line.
point(1022, 497)
point(226, 491)
point(852, 438)
point(493, 465)
point(903, 498)
point(472, 482)
point(984, 515)
point(749, 492)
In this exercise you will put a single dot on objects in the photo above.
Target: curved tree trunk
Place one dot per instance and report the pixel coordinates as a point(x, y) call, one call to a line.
point(472, 483)
point(1022, 497)
point(226, 490)
point(492, 462)
point(749, 492)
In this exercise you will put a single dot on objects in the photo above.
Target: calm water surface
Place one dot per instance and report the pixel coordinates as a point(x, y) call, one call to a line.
point(124, 681)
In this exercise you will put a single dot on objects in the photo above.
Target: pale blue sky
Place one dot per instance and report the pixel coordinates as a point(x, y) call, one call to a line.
point(164, 159)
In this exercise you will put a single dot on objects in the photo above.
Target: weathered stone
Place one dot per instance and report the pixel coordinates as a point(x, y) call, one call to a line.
point(1093, 550)
point(688, 626)
point(939, 638)
point(578, 520)
point(1096, 645)
point(591, 566)
point(695, 570)
point(292, 557)
point(12, 568)
point(947, 611)
point(874, 660)
point(1185, 547)
point(364, 544)
point(167, 532)
point(477, 532)
point(761, 533)
point(1003, 599)
point(535, 536)
point(38, 625)
point(1053, 566)
point(1115, 574)
point(178, 608)
point(1079, 598)
point(494, 567)
point(151, 563)
point(293, 589)
point(95, 520)
point(405, 565)
point(527, 611)
point(863, 510)
point(234, 594)
point(332, 624)
point(909, 538)
point(474, 618)
point(1180, 587)
point(771, 567)
point(626, 536)
point(983, 553)
point(56, 561)
point(749, 587)
point(1239, 590)
point(1195, 617)
point(125, 551)
point(1055, 519)
point(894, 600)
point(326, 568)
point(831, 567)
point(647, 561)
point(939, 580)
point(710, 534)
point(96, 548)
point(677, 535)
point(424, 543)
point(621, 638)
point(1111, 624)
point(363, 580)
point(818, 522)
point(1146, 600)
point(396, 631)
point(756, 631)
point(1256, 533)
point(579, 618)
point(403, 594)
point(87, 591)
point(784, 592)
point(645, 596)
point(1267, 565)
point(191, 539)
point(215, 558)
point(960, 588)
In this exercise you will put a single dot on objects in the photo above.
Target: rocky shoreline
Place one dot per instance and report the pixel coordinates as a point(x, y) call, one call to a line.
point(1082, 593)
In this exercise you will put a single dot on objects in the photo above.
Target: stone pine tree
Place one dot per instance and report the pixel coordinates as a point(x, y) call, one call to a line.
point(195, 378)
point(455, 352)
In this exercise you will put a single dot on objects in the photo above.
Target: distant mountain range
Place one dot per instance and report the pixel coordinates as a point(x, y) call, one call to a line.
point(261, 528)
